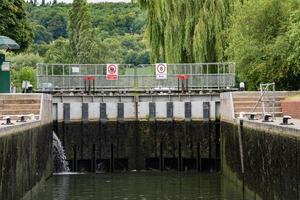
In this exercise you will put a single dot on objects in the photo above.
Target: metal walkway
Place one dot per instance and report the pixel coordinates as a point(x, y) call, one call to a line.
point(72, 77)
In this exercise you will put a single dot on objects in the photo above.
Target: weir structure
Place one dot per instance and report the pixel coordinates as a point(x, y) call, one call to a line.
point(138, 121)
point(159, 132)
point(144, 123)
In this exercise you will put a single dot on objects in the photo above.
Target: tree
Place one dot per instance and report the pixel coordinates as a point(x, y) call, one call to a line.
point(14, 24)
point(56, 24)
point(186, 31)
point(54, 2)
point(42, 35)
point(116, 34)
point(24, 59)
point(21, 74)
point(263, 40)
point(54, 21)
point(81, 34)
point(59, 52)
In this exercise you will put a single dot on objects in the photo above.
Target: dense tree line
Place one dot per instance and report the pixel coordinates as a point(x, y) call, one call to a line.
point(74, 33)
point(263, 40)
point(93, 33)
point(261, 36)
point(13, 22)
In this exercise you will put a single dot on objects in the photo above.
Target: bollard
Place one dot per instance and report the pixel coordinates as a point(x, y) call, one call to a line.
point(267, 118)
point(21, 118)
point(285, 120)
point(8, 121)
point(252, 116)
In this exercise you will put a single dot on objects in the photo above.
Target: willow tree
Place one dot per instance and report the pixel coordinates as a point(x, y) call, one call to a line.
point(81, 36)
point(186, 31)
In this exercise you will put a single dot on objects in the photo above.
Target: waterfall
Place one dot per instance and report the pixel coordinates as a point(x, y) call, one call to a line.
point(59, 157)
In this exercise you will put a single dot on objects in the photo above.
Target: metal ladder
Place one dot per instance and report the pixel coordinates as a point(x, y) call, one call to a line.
point(267, 91)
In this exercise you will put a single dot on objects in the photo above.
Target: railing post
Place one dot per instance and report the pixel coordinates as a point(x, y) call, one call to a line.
point(207, 76)
point(218, 66)
point(47, 74)
point(135, 76)
point(63, 87)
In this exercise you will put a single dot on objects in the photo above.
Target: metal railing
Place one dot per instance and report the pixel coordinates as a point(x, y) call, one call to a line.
point(202, 76)
point(266, 97)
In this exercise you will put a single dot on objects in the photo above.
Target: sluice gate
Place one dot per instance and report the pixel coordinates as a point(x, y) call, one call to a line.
point(136, 132)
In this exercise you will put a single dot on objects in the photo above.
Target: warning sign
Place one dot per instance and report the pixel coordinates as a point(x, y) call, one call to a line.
point(112, 73)
point(161, 71)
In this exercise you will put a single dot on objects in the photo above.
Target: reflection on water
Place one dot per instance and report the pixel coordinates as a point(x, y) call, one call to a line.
point(140, 186)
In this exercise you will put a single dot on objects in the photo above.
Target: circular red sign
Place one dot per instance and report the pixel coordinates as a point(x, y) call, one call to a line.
point(112, 69)
point(161, 68)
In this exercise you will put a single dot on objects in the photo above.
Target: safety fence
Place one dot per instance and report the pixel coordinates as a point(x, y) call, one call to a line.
point(199, 76)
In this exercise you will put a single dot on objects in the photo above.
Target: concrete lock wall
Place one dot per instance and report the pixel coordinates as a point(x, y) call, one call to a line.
point(26, 154)
point(77, 109)
point(144, 132)
point(270, 159)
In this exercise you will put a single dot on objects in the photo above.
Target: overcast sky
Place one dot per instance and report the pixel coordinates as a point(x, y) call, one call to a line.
point(93, 1)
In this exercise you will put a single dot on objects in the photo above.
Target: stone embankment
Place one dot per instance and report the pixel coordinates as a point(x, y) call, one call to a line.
point(262, 157)
point(25, 147)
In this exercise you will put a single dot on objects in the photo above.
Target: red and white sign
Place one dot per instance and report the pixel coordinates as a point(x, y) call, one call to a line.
point(161, 71)
point(112, 72)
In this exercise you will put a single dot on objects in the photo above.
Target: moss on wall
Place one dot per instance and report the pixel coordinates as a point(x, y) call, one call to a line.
point(271, 161)
point(137, 140)
point(25, 160)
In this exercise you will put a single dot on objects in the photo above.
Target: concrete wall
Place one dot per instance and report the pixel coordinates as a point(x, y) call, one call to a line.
point(270, 156)
point(226, 108)
point(141, 108)
point(26, 154)
point(135, 129)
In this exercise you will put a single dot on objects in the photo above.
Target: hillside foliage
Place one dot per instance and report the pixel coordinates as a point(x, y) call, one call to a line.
point(262, 37)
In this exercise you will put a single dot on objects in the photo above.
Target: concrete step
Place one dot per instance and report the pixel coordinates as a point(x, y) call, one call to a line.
point(20, 96)
point(19, 106)
point(258, 109)
point(253, 103)
point(255, 99)
point(19, 101)
point(19, 112)
point(256, 93)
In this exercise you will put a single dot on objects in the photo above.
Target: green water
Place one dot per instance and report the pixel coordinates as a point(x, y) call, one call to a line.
point(140, 186)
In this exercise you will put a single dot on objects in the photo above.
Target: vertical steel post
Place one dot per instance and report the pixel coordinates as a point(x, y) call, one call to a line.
point(206, 76)
point(70, 76)
point(37, 77)
point(46, 73)
point(218, 76)
point(63, 76)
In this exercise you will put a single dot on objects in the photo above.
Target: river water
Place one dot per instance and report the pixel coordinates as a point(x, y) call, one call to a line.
point(140, 186)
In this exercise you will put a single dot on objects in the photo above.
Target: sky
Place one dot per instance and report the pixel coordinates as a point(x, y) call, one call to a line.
point(93, 1)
